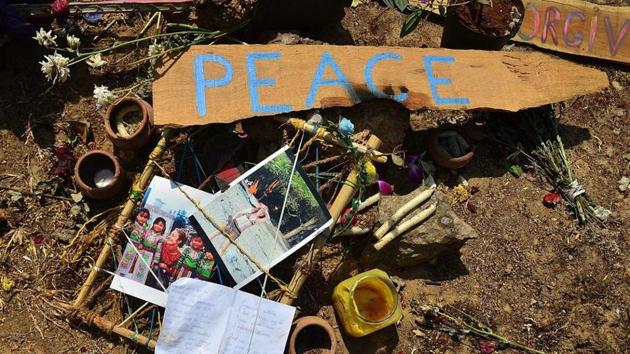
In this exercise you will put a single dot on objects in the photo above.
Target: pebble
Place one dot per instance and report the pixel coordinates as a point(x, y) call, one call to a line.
point(624, 182)
point(616, 85)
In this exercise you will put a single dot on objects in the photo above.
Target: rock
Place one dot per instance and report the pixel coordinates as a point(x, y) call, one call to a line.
point(616, 85)
point(388, 120)
point(223, 13)
point(442, 233)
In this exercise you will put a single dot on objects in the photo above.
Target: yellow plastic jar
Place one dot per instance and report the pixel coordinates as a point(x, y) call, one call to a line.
point(366, 303)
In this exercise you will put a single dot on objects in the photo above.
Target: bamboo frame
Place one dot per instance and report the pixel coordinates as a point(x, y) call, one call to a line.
point(113, 233)
point(343, 198)
point(318, 132)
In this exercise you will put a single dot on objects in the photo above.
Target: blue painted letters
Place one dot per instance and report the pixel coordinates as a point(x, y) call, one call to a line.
point(435, 81)
point(369, 81)
point(253, 82)
point(318, 80)
point(201, 83)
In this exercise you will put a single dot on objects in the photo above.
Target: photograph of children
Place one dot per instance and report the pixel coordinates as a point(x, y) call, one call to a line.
point(162, 244)
point(249, 212)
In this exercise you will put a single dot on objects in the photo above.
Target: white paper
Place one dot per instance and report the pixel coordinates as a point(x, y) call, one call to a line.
point(203, 317)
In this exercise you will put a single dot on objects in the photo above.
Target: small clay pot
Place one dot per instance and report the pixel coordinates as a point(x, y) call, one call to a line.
point(86, 169)
point(457, 35)
point(441, 157)
point(315, 323)
point(144, 131)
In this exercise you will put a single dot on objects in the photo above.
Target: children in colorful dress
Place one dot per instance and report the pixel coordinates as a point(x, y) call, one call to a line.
point(191, 255)
point(205, 267)
point(153, 238)
point(170, 255)
point(138, 231)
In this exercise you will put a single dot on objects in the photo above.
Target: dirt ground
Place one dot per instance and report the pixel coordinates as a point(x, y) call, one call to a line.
point(532, 275)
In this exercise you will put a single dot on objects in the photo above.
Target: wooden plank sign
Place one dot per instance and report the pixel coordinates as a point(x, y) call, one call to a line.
point(225, 83)
point(577, 27)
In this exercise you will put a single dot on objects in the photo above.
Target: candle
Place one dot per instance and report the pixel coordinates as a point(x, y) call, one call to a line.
point(103, 178)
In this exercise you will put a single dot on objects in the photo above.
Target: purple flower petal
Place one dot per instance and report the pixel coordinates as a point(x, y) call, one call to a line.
point(385, 188)
point(415, 174)
point(411, 159)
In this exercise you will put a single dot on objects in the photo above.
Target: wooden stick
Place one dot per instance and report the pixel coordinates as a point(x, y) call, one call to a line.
point(91, 318)
point(405, 226)
point(113, 233)
point(403, 211)
point(124, 322)
point(343, 198)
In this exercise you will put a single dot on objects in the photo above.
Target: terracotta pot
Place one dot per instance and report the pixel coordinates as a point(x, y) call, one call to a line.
point(142, 135)
point(296, 345)
point(441, 157)
point(457, 35)
point(86, 169)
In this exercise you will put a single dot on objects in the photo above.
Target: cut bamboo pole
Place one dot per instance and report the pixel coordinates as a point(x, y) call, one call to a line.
point(405, 226)
point(343, 198)
point(403, 211)
point(113, 233)
point(91, 318)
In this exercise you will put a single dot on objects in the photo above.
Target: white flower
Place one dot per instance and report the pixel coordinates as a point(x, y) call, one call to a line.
point(103, 96)
point(73, 42)
point(45, 38)
point(155, 49)
point(96, 61)
point(56, 68)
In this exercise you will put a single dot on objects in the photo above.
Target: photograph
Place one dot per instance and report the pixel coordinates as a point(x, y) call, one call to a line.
point(253, 229)
point(162, 245)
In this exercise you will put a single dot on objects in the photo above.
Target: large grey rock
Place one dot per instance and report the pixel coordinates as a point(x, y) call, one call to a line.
point(443, 233)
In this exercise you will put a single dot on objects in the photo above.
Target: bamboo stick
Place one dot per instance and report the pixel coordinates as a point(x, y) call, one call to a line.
point(405, 226)
point(343, 198)
point(92, 318)
point(355, 231)
point(113, 232)
point(369, 202)
point(403, 211)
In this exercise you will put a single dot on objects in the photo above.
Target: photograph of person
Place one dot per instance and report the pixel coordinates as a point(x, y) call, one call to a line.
point(249, 212)
point(162, 244)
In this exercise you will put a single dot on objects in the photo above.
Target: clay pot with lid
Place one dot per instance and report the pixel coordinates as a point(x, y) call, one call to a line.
point(99, 175)
point(129, 123)
point(441, 156)
point(312, 333)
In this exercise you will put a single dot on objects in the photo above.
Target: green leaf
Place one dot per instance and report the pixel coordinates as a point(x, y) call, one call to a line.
point(442, 10)
point(401, 4)
point(15, 196)
point(389, 4)
point(75, 210)
point(514, 169)
point(397, 160)
point(77, 197)
point(410, 23)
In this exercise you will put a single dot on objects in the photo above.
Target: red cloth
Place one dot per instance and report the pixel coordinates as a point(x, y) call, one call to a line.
point(170, 256)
